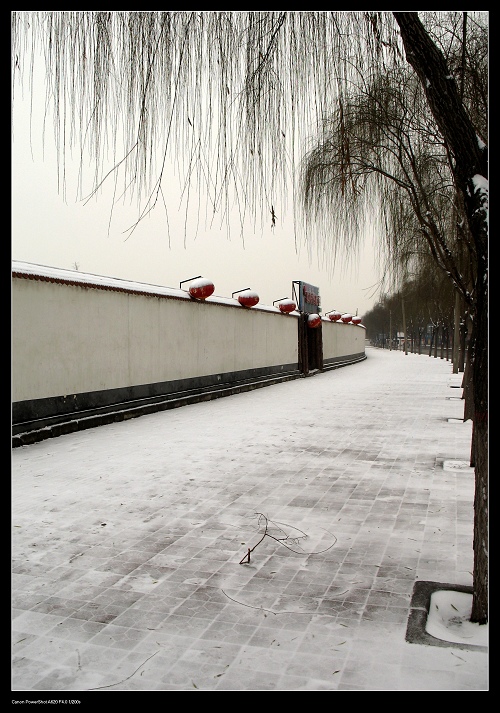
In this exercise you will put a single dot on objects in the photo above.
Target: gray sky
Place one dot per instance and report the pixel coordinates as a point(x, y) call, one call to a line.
point(57, 232)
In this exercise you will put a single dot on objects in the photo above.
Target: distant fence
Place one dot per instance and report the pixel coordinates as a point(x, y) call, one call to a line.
point(88, 350)
point(438, 351)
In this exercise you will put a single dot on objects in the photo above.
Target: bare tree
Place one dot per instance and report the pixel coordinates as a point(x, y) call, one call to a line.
point(469, 164)
point(233, 96)
point(380, 147)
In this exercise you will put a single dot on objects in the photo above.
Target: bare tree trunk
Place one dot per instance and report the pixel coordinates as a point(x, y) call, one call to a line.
point(470, 170)
point(404, 327)
point(463, 342)
point(456, 333)
point(480, 454)
point(465, 329)
point(468, 392)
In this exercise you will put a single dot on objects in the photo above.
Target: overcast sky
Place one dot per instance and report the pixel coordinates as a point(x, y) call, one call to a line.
point(57, 232)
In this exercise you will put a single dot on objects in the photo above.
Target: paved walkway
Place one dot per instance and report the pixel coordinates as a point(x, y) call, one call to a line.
point(127, 541)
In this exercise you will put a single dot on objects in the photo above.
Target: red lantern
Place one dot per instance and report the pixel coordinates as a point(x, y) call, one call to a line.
point(356, 320)
point(248, 298)
point(346, 318)
point(334, 316)
point(313, 320)
point(201, 288)
point(287, 306)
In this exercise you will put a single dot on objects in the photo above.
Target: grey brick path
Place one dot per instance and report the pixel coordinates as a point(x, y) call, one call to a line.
point(127, 540)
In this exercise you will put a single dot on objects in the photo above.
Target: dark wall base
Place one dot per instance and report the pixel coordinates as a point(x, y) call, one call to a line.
point(336, 362)
point(39, 419)
point(37, 410)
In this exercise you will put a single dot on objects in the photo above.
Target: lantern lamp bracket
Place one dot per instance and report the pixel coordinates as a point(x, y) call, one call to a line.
point(189, 279)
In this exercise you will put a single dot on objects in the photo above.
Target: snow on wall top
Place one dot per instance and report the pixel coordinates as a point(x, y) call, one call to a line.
point(84, 279)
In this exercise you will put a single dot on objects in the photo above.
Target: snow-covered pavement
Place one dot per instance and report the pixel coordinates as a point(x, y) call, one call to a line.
point(129, 540)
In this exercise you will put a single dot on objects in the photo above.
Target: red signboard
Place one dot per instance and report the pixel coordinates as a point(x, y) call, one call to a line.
point(309, 301)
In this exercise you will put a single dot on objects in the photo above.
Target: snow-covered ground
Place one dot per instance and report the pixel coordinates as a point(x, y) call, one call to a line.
point(127, 541)
point(449, 619)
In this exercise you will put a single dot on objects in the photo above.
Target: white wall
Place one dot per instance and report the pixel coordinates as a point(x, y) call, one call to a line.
point(69, 339)
point(341, 339)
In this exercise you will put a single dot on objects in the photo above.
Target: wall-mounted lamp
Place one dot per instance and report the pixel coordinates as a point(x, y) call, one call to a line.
point(247, 297)
point(286, 305)
point(200, 287)
point(333, 315)
point(313, 320)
